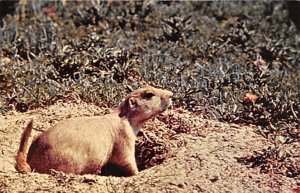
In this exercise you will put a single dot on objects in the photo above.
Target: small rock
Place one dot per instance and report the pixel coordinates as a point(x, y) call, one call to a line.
point(181, 185)
point(214, 178)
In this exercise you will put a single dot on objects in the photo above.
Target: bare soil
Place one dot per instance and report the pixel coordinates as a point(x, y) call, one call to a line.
point(202, 156)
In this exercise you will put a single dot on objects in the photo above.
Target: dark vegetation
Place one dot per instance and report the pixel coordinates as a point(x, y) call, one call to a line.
point(237, 62)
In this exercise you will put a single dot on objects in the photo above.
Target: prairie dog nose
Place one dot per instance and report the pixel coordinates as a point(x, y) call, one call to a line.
point(169, 93)
point(167, 98)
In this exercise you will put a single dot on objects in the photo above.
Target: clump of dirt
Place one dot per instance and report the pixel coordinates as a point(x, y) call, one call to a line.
point(275, 161)
point(169, 159)
point(155, 141)
point(150, 153)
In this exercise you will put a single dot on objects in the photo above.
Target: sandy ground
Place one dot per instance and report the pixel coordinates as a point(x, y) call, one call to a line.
point(202, 158)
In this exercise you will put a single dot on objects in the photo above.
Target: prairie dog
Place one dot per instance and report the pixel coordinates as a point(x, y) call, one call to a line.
point(84, 145)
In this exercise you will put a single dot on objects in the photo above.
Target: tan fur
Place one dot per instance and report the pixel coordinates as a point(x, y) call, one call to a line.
point(84, 145)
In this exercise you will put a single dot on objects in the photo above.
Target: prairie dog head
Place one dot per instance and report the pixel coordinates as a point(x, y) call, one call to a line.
point(145, 103)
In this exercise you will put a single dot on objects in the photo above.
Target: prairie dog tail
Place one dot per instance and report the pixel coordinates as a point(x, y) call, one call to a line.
point(21, 163)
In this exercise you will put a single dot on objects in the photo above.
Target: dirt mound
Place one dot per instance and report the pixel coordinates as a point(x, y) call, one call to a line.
point(176, 152)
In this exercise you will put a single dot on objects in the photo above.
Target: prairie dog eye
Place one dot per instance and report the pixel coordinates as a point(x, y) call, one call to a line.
point(148, 95)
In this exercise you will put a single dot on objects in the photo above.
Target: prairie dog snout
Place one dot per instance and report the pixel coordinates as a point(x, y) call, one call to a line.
point(84, 145)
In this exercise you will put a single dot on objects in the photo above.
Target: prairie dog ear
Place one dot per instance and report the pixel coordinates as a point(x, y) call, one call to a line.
point(127, 106)
point(132, 103)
